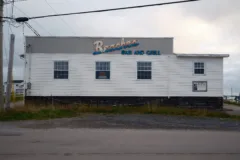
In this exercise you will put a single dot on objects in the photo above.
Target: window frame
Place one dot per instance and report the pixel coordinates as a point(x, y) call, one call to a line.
point(144, 70)
point(105, 71)
point(60, 60)
point(204, 74)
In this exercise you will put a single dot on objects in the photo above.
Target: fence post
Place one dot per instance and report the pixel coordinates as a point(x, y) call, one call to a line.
point(52, 101)
point(151, 105)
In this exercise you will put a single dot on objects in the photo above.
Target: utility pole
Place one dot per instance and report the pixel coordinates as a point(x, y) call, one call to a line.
point(1, 55)
point(10, 67)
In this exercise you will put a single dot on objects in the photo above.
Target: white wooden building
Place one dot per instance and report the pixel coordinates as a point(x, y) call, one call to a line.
point(121, 69)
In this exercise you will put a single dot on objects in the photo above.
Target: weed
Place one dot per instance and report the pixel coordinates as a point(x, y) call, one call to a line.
point(50, 112)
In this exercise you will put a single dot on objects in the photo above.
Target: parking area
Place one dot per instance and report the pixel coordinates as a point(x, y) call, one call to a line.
point(232, 109)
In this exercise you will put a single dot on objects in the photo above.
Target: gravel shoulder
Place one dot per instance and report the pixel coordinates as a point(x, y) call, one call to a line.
point(131, 121)
point(232, 109)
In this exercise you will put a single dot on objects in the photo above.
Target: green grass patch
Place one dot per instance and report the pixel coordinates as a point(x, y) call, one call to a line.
point(40, 113)
point(13, 115)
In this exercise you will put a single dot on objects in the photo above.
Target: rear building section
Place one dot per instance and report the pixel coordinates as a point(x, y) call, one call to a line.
point(120, 71)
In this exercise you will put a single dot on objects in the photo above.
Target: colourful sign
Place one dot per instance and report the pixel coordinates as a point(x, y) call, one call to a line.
point(100, 48)
point(141, 52)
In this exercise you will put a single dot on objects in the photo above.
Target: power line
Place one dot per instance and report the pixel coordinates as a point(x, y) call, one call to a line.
point(113, 9)
point(12, 7)
point(24, 19)
point(34, 21)
point(5, 48)
point(9, 2)
point(61, 18)
point(23, 32)
point(8, 37)
point(30, 27)
point(10, 28)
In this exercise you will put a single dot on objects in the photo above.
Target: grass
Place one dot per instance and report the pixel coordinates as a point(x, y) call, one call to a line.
point(16, 99)
point(232, 102)
point(40, 113)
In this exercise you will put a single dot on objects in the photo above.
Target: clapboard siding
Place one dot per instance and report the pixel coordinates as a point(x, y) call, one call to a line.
point(182, 75)
point(171, 76)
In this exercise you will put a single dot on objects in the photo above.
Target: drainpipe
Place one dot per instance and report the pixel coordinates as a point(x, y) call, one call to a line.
point(168, 77)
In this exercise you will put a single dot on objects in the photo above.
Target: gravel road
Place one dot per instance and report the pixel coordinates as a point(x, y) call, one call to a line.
point(118, 144)
point(130, 121)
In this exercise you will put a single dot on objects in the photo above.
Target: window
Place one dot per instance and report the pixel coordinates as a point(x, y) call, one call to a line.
point(199, 68)
point(144, 70)
point(199, 86)
point(102, 70)
point(61, 70)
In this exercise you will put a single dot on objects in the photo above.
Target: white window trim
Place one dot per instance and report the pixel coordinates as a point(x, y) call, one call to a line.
point(151, 72)
point(193, 68)
point(56, 60)
point(95, 70)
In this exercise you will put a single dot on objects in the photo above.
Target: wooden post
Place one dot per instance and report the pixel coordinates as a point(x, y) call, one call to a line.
point(52, 102)
point(10, 67)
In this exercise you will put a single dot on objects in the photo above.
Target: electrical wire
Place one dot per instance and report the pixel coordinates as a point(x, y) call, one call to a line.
point(9, 2)
point(23, 19)
point(23, 31)
point(12, 7)
point(61, 18)
point(34, 21)
point(4, 39)
point(30, 27)
point(10, 28)
point(5, 48)
point(113, 9)
point(16, 26)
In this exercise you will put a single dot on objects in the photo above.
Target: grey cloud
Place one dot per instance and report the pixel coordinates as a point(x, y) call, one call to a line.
point(224, 14)
point(17, 73)
point(232, 74)
point(212, 10)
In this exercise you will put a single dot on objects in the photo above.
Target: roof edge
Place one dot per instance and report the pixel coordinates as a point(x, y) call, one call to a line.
point(202, 55)
point(95, 37)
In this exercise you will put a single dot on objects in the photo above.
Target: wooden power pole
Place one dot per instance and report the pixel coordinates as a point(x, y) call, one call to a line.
point(10, 68)
point(1, 55)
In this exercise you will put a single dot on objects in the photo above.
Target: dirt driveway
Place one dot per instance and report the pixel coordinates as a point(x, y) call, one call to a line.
point(232, 109)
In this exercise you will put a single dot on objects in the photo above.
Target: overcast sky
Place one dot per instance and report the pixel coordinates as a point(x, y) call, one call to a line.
point(207, 26)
